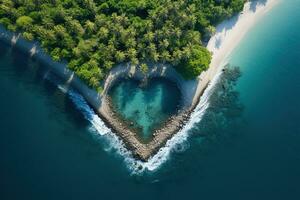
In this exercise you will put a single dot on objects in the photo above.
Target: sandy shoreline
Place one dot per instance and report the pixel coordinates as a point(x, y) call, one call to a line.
point(228, 35)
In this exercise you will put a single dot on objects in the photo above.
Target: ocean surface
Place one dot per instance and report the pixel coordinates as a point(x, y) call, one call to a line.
point(246, 145)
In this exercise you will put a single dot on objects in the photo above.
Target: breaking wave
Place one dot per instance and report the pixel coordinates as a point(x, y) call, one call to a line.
point(176, 144)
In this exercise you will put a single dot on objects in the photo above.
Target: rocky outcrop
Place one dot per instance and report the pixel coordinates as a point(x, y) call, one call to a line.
point(189, 90)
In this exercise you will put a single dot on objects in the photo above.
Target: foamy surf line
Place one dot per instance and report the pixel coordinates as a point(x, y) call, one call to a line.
point(80, 104)
point(156, 161)
point(102, 132)
point(181, 137)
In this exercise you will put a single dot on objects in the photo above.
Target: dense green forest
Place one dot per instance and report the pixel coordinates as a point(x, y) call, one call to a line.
point(94, 35)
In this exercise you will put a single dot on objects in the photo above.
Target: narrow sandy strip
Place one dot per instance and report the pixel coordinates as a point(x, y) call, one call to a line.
point(228, 35)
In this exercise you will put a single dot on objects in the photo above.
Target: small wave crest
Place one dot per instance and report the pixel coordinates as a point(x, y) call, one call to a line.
point(80, 103)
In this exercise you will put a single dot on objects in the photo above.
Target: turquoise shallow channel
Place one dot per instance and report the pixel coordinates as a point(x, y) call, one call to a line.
point(145, 107)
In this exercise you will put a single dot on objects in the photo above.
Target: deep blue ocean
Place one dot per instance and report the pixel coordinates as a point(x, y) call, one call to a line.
point(247, 146)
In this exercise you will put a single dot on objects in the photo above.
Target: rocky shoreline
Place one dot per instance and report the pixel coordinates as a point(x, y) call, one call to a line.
point(99, 102)
point(141, 150)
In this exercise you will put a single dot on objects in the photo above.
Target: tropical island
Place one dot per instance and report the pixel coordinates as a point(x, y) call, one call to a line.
point(94, 44)
point(95, 35)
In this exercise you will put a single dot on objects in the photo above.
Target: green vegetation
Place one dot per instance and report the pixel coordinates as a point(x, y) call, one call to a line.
point(94, 35)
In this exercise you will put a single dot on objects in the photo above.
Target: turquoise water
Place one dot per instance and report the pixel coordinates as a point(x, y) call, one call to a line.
point(146, 106)
point(246, 146)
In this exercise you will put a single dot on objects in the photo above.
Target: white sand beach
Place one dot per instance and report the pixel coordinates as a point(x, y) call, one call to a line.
point(228, 35)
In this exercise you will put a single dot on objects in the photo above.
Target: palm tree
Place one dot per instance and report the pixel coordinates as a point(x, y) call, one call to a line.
point(144, 68)
point(164, 44)
point(103, 33)
point(89, 27)
point(165, 56)
point(149, 36)
point(177, 56)
point(131, 53)
point(210, 31)
point(120, 56)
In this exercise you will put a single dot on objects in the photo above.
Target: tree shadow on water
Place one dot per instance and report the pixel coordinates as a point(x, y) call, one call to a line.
point(4, 49)
point(32, 72)
point(20, 61)
point(151, 89)
point(37, 77)
point(255, 3)
point(124, 91)
point(171, 98)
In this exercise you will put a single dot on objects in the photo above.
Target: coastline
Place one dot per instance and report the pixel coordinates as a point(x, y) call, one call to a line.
point(229, 33)
point(98, 101)
point(59, 68)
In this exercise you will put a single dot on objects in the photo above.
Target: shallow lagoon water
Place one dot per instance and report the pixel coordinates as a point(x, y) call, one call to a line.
point(245, 149)
point(146, 106)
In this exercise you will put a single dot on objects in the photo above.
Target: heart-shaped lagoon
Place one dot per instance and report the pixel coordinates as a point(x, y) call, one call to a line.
point(145, 107)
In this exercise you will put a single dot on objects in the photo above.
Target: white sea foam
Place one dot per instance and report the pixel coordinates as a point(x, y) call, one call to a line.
point(80, 103)
point(88, 112)
point(98, 128)
point(163, 154)
point(179, 138)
